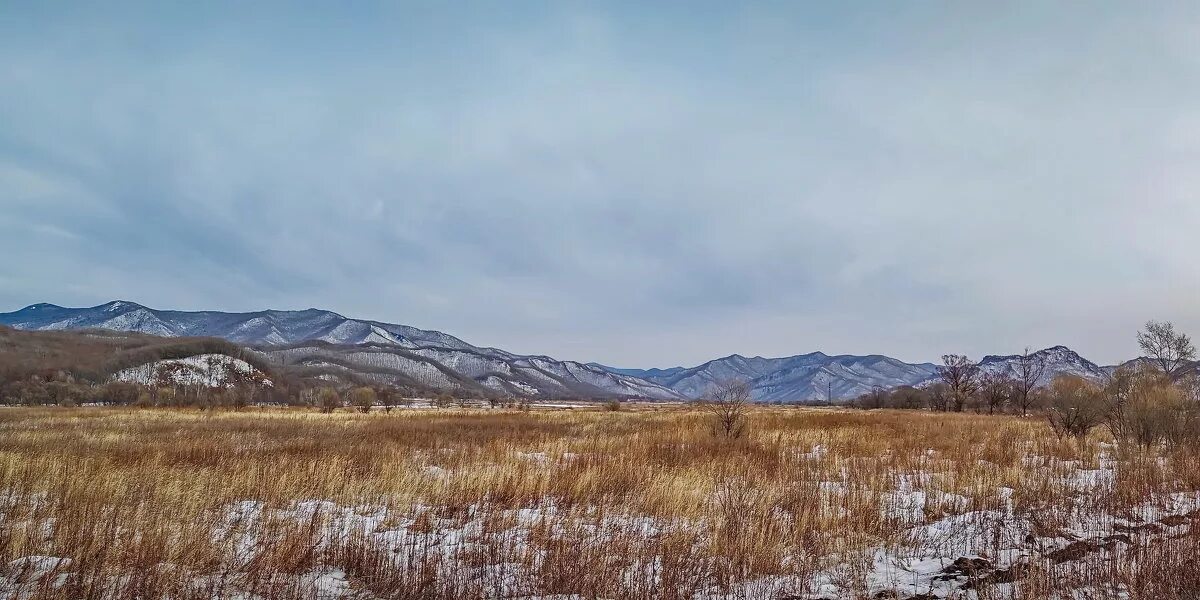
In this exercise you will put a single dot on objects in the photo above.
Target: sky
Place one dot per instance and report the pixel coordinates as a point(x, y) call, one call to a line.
point(639, 184)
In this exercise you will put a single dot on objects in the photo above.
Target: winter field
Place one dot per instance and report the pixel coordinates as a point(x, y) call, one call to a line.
point(638, 503)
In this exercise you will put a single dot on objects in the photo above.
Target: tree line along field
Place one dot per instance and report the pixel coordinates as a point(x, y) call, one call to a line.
point(1148, 401)
point(645, 502)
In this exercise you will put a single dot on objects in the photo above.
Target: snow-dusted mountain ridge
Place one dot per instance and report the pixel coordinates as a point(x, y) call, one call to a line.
point(1058, 360)
point(342, 348)
point(339, 347)
point(273, 327)
point(812, 377)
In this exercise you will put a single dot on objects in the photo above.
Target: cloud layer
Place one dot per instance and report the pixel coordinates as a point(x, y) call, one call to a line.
point(643, 187)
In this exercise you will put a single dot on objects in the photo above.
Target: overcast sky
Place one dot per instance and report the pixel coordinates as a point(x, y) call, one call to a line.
point(641, 184)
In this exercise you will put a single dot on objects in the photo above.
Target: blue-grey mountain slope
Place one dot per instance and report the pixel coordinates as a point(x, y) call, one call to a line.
point(818, 377)
point(815, 377)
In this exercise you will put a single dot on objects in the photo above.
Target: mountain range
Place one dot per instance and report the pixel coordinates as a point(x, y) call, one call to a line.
point(329, 346)
point(269, 327)
point(819, 377)
point(807, 377)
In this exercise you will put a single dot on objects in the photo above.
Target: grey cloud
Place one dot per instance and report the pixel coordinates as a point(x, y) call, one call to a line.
point(640, 189)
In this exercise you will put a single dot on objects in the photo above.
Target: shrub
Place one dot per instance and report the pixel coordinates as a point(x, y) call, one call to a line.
point(1145, 408)
point(1074, 406)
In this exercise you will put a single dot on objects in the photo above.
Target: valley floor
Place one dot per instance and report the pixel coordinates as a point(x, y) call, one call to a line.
point(463, 503)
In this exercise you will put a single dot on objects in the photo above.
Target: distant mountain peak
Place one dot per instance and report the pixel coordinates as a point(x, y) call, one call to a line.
point(1059, 350)
point(41, 306)
point(1058, 360)
point(116, 305)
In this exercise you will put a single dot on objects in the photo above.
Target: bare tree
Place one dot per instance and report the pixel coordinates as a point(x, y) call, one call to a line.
point(1030, 368)
point(328, 399)
point(240, 396)
point(728, 402)
point(363, 398)
point(907, 396)
point(1171, 351)
point(876, 398)
point(387, 396)
point(1142, 405)
point(996, 389)
point(443, 400)
point(937, 396)
point(961, 376)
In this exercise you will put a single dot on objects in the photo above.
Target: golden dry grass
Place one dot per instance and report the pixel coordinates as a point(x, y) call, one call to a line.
point(632, 504)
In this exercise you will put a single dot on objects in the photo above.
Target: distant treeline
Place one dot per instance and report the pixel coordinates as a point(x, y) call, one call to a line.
point(1147, 402)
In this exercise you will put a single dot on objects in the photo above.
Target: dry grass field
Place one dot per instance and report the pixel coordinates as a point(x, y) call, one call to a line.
point(465, 503)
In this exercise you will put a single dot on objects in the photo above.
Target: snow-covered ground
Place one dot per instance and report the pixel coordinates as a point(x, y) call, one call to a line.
point(211, 370)
point(948, 545)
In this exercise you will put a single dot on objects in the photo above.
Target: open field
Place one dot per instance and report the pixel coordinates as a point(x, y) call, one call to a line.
point(121, 503)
